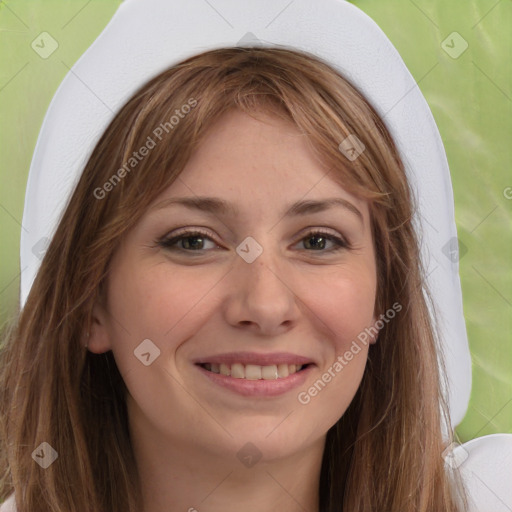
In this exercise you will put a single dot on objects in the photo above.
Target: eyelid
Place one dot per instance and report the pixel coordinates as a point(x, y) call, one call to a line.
point(188, 231)
point(174, 236)
point(322, 231)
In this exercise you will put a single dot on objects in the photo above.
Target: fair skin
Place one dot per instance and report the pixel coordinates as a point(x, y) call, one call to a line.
point(298, 296)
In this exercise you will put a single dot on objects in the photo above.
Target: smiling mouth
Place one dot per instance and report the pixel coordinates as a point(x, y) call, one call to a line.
point(254, 371)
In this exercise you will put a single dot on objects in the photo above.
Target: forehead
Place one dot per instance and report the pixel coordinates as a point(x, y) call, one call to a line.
point(247, 159)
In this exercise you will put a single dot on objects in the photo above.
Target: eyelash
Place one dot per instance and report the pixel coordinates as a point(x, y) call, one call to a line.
point(168, 243)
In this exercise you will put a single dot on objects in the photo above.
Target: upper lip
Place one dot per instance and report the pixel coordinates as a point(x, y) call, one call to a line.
point(255, 358)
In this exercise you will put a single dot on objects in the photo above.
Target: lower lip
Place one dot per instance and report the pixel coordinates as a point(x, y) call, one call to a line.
point(260, 387)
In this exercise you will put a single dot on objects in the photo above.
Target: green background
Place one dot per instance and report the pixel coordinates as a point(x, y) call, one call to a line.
point(470, 98)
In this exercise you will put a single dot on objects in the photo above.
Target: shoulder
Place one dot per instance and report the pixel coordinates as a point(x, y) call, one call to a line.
point(9, 505)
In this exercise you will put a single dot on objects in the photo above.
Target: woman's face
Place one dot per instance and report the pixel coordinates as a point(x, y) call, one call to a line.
point(256, 292)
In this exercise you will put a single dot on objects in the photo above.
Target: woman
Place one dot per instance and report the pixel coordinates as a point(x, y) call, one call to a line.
point(257, 364)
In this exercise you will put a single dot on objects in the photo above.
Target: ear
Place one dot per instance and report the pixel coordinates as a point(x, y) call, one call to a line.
point(374, 334)
point(98, 338)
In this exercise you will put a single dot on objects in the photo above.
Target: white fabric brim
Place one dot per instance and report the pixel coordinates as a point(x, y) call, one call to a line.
point(485, 465)
point(145, 37)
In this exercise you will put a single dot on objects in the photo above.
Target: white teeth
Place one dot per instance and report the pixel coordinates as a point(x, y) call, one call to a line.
point(238, 371)
point(225, 369)
point(282, 370)
point(253, 371)
point(269, 372)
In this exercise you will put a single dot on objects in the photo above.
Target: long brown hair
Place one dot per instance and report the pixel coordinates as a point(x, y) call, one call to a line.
point(385, 453)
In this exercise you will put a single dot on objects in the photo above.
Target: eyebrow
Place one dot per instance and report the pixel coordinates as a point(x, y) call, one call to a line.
point(219, 206)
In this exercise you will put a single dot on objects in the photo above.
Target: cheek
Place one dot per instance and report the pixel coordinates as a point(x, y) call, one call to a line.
point(159, 302)
point(344, 303)
point(344, 307)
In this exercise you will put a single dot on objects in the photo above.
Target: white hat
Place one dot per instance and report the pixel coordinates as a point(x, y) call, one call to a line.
point(145, 37)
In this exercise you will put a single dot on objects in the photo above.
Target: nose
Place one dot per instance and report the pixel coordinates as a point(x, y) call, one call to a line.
point(261, 297)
